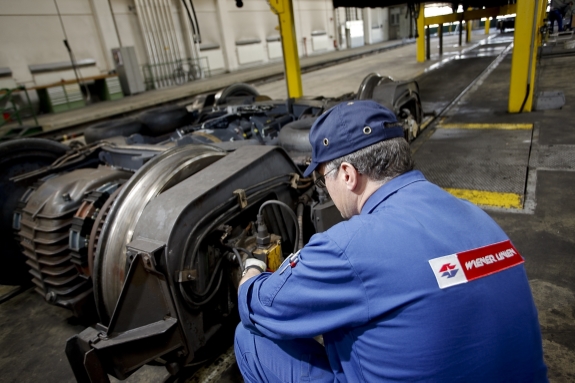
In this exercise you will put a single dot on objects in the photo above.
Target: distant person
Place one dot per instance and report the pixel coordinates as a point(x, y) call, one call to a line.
point(558, 10)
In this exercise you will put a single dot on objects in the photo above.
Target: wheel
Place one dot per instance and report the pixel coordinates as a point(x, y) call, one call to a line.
point(369, 83)
point(412, 128)
point(18, 157)
point(164, 119)
point(179, 76)
point(195, 72)
point(365, 91)
point(152, 179)
point(121, 127)
point(235, 90)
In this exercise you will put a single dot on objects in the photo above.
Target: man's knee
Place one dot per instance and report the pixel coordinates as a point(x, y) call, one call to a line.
point(243, 338)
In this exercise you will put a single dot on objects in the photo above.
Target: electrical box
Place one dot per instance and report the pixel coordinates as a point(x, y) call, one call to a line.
point(128, 70)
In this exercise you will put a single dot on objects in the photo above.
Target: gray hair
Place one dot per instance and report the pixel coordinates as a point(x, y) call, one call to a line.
point(380, 162)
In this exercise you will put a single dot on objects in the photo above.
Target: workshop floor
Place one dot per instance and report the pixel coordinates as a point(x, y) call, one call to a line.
point(541, 161)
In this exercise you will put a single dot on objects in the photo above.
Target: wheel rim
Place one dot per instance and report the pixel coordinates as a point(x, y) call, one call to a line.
point(158, 175)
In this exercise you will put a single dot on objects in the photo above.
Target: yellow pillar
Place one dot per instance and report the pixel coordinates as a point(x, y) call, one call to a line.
point(284, 10)
point(487, 25)
point(420, 34)
point(468, 25)
point(524, 53)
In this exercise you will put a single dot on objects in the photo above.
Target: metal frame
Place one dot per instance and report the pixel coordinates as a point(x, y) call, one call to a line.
point(284, 10)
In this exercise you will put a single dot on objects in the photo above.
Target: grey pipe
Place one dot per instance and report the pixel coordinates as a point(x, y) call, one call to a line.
point(149, 37)
point(159, 40)
point(145, 33)
point(300, 225)
point(165, 18)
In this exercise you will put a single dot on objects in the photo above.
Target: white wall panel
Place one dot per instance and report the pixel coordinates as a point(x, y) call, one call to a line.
point(320, 43)
point(274, 50)
point(251, 53)
point(376, 35)
point(215, 59)
point(30, 31)
point(32, 39)
point(44, 7)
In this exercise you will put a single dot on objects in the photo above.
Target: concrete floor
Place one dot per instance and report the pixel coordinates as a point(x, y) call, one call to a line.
point(33, 333)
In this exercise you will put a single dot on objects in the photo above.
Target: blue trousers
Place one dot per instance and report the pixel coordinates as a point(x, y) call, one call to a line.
point(555, 15)
point(264, 360)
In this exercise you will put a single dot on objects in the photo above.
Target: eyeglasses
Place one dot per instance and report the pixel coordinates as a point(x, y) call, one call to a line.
point(320, 181)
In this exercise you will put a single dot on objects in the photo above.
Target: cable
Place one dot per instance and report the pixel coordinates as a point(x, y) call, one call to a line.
point(197, 24)
point(239, 258)
point(191, 301)
point(245, 251)
point(190, 17)
point(527, 92)
point(207, 289)
point(227, 215)
point(223, 216)
point(208, 298)
point(291, 213)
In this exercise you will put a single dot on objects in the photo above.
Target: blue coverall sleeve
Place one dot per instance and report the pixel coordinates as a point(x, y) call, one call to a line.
point(321, 293)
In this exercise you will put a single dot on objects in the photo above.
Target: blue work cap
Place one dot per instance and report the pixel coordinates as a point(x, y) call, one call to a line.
point(348, 127)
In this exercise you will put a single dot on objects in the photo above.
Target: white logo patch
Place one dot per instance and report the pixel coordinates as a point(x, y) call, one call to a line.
point(447, 271)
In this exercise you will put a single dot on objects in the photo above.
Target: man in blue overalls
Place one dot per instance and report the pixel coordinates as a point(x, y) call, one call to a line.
point(415, 286)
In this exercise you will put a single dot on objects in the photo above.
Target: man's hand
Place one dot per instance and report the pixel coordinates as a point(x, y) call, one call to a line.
point(252, 267)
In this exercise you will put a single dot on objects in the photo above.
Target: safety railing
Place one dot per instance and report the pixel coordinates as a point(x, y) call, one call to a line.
point(10, 111)
point(178, 72)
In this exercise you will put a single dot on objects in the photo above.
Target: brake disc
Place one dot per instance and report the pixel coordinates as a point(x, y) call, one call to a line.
point(155, 177)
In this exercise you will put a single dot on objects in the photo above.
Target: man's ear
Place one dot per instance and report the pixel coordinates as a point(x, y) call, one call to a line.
point(351, 176)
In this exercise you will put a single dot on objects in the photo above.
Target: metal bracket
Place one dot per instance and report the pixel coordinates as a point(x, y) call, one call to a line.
point(242, 198)
point(148, 249)
point(294, 179)
point(143, 327)
point(186, 275)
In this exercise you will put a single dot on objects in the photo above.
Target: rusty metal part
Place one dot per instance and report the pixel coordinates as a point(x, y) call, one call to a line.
point(96, 232)
point(83, 224)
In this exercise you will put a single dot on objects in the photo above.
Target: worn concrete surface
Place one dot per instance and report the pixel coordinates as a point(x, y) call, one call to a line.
point(546, 236)
point(400, 64)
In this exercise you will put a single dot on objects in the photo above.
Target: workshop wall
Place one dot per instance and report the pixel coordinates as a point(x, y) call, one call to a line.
point(31, 32)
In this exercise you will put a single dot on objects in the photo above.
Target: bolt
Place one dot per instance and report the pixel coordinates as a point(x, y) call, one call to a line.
point(66, 197)
point(51, 297)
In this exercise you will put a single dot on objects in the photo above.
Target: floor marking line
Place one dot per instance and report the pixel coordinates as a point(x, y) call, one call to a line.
point(500, 126)
point(487, 198)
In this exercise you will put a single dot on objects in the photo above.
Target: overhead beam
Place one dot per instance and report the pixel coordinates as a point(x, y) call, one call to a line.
point(471, 15)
